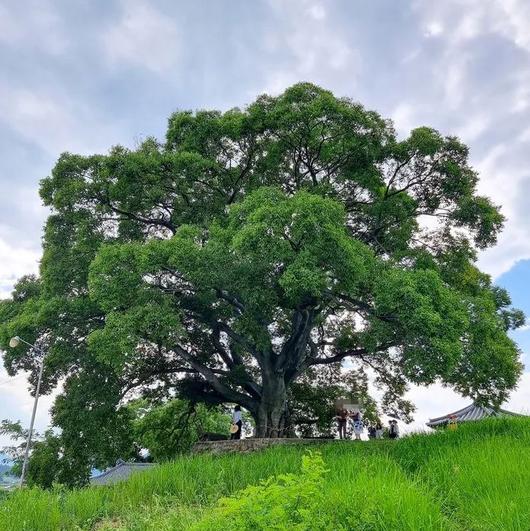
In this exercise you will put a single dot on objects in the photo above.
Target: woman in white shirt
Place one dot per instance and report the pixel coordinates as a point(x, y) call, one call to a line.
point(236, 420)
point(357, 422)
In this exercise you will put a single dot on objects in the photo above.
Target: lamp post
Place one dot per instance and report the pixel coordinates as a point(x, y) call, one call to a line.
point(14, 342)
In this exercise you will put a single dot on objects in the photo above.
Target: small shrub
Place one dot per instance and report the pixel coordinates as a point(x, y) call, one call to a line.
point(288, 501)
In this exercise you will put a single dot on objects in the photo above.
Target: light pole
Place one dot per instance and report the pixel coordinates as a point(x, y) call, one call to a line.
point(14, 342)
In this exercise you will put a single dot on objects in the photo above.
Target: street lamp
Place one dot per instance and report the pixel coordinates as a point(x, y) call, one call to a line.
point(13, 343)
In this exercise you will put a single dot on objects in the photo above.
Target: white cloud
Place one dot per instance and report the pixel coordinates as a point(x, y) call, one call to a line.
point(433, 29)
point(502, 173)
point(520, 399)
point(317, 11)
point(512, 246)
point(475, 94)
point(143, 37)
point(312, 49)
point(473, 128)
point(404, 118)
point(466, 19)
point(35, 116)
point(36, 22)
point(514, 24)
point(411, 56)
point(54, 122)
point(17, 403)
point(16, 261)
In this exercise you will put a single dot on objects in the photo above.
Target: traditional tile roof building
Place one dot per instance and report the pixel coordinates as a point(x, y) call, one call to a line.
point(472, 412)
point(120, 472)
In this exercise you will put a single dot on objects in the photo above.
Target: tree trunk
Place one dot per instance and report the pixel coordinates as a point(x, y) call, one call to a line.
point(271, 416)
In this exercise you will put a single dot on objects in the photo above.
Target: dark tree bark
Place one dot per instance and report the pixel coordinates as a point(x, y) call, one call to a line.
point(271, 415)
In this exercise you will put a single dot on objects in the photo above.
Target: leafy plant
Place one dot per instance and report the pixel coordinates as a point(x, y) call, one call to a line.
point(288, 501)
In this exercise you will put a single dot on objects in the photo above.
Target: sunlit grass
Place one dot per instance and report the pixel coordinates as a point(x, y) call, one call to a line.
point(475, 478)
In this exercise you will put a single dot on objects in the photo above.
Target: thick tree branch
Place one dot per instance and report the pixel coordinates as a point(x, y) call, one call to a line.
point(244, 342)
point(234, 301)
point(358, 352)
point(209, 375)
point(235, 362)
point(146, 221)
point(146, 377)
point(358, 305)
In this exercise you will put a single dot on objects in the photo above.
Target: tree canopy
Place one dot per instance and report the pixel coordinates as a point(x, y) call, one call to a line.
point(256, 247)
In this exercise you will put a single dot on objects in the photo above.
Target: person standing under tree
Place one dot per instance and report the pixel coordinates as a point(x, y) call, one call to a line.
point(236, 422)
point(357, 420)
point(393, 431)
point(342, 419)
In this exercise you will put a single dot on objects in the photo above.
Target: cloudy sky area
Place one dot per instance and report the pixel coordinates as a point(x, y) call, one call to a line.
point(83, 76)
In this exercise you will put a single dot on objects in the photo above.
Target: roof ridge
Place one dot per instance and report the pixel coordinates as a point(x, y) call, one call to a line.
point(447, 415)
point(474, 411)
point(119, 465)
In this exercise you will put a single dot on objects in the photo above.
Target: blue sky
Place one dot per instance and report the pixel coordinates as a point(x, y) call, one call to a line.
point(82, 76)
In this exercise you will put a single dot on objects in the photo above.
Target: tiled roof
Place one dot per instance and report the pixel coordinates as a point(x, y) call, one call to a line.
point(119, 472)
point(472, 412)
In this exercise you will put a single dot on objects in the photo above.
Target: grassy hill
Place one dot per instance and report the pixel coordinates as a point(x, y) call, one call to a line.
point(475, 478)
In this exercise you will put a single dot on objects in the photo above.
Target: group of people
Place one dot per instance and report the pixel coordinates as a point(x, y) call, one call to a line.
point(344, 417)
point(355, 419)
point(376, 431)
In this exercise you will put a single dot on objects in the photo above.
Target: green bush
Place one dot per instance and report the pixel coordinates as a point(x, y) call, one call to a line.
point(286, 501)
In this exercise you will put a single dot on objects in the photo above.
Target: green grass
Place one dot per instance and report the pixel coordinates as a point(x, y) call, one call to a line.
point(475, 478)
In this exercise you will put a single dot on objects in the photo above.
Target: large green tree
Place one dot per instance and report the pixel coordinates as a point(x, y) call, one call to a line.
point(253, 247)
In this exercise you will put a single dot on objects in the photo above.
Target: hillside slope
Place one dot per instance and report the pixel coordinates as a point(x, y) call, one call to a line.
point(475, 478)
